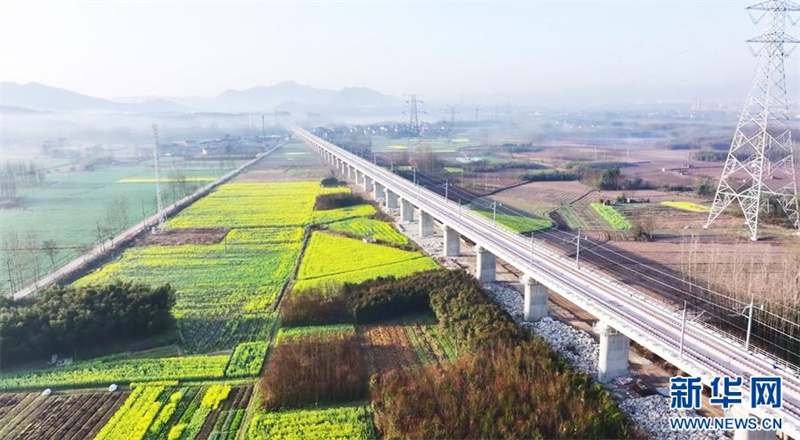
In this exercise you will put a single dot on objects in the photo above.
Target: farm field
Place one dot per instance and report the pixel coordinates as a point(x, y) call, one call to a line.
point(253, 205)
point(406, 342)
point(120, 369)
point(348, 422)
point(218, 286)
point(687, 206)
point(515, 222)
point(292, 162)
point(63, 417)
point(384, 144)
point(321, 332)
point(366, 227)
point(614, 219)
point(70, 205)
point(169, 410)
point(333, 259)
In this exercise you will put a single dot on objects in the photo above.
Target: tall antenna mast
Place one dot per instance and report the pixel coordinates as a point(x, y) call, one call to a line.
point(760, 163)
point(159, 200)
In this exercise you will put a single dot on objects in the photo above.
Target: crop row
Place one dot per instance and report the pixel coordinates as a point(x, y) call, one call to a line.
point(118, 369)
point(614, 219)
point(133, 419)
point(350, 422)
point(321, 332)
point(247, 359)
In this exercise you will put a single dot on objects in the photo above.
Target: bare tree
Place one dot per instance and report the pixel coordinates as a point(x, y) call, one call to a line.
point(50, 248)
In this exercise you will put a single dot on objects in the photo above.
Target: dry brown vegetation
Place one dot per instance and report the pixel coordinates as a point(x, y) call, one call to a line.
point(772, 281)
point(337, 200)
point(314, 306)
point(508, 391)
point(310, 370)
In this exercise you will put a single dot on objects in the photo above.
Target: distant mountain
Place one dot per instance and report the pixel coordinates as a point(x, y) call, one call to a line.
point(293, 97)
point(10, 110)
point(286, 96)
point(42, 97)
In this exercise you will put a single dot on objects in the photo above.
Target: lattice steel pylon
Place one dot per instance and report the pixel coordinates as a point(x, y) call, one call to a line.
point(760, 164)
point(159, 198)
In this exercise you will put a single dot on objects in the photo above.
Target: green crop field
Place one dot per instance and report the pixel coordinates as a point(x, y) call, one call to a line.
point(133, 419)
point(253, 205)
point(333, 259)
point(119, 369)
point(365, 227)
point(516, 223)
point(614, 219)
point(70, 205)
point(216, 286)
point(349, 422)
point(319, 331)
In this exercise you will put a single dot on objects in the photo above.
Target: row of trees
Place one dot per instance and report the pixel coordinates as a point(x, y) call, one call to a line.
point(506, 384)
point(19, 174)
point(63, 320)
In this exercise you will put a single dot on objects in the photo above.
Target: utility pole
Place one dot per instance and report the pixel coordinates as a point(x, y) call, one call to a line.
point(578, 249)
point(446, 181)
point(263, 125)
point(683, 328)
point(159, 200)
point(760, 163)
point(494, 211)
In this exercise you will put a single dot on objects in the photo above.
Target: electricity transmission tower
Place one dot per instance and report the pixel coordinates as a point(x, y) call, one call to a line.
point(159, 200)
point(452, 119)
point(759, 169)
point(413, 111)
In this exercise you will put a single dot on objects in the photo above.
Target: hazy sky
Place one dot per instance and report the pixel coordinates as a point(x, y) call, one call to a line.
point(592, 50)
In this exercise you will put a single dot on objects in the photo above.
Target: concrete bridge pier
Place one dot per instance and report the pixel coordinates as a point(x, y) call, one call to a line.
point(391, 198)
point(743, 434)
point(486, 266)
point(406, 211)
point(452, 242)
point(425, 224)
point(535, 301)
point(614, 348)
point(357, 175)
point(367, 183)
point(380, 192)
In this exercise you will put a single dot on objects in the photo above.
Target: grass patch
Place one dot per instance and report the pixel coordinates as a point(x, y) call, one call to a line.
point(517, 223)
